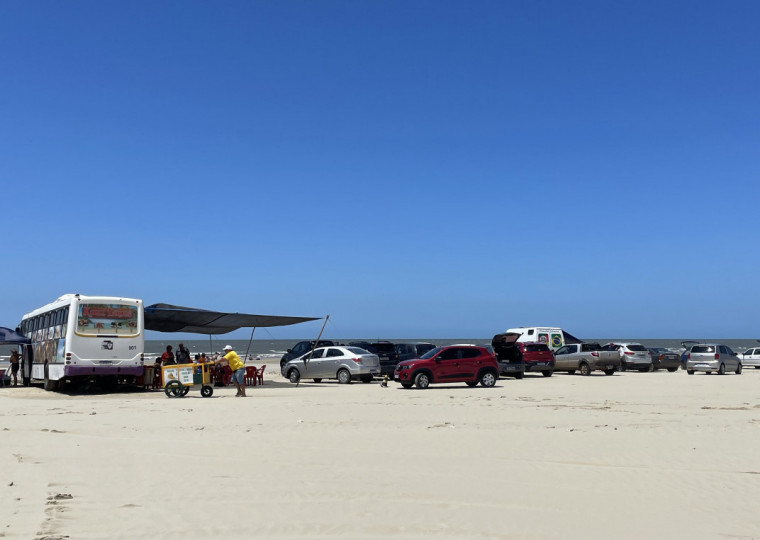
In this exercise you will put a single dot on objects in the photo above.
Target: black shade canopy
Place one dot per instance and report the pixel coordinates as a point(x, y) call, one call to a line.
point(168, 318)
point(10, 337)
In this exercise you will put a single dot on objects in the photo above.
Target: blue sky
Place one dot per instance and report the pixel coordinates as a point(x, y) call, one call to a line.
point(412, 168)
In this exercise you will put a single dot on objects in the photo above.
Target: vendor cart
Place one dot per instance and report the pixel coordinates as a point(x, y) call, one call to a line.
point(178, 379)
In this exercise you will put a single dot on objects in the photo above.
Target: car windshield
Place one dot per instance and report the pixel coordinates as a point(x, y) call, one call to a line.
point(703, 349)
point(540, 347)
point(422, 349)
point(431, 353)
point(357, 350)
point(639, 348)
point(383, 347)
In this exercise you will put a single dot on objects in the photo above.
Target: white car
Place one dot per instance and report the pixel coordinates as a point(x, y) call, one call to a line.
point(751, 358)
point(335, 362)
point(632, 356)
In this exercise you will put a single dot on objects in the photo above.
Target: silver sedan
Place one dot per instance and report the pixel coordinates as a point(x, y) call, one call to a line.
point(336, 362)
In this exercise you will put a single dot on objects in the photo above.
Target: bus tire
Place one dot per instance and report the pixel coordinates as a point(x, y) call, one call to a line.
point(47, 384)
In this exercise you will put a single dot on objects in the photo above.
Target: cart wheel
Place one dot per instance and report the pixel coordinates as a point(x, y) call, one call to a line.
point(173, 389)
point(207, 391)
point(185, 390)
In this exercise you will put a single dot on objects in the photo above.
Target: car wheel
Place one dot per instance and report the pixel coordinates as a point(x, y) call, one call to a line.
point(519, 375)
point(471, 383)
point(488, 379)
point(672, 369)
point(406, 386)
point(722, 369)
point(623, 366)
point(319, 380)
point(294, 376)
point(547, 373)
point(690, 371)
point(422, 380)
point(584, 369)
point(571, 372)
point(738, 369)
point(344, 376)
point(366, 379)
point(609, 371)
point(650, 368)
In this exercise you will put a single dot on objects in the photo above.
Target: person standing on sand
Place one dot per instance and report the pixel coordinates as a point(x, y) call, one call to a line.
point(238, 369)
point(168, 357)
point(14, 360)
point(183, 355)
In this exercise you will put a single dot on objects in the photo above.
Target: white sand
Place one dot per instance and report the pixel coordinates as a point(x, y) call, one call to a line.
point(635, 455)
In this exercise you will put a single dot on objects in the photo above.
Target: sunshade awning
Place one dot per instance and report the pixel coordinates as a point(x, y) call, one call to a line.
point(11, 337)
point(168, 318)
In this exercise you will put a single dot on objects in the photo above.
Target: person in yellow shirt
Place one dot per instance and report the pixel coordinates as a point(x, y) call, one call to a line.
point(237, 366)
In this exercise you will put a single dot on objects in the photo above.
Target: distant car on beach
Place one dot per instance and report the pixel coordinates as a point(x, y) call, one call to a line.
point(664, 359)
point(709, 357)
point(407, 351)
point(469, 364)
point(585, 358)
point(751, 358)
point(334, 362)
point(385, 351)
point(632, 356)
point(301, 348)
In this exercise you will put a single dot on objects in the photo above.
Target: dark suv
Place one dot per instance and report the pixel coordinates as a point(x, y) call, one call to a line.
point(301, 348)
point(407, 351)
point(470, 364)
point(385, 350)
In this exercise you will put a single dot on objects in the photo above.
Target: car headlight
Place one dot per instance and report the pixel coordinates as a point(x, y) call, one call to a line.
point(402, 368)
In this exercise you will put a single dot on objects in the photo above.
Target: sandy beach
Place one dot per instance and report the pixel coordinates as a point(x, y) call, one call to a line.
point(634, 455)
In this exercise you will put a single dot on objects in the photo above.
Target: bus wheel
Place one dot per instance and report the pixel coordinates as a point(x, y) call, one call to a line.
point(173, 389)
point(47, 384)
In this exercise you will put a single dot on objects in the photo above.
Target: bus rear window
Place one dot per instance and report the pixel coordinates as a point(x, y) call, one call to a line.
point(97, 319)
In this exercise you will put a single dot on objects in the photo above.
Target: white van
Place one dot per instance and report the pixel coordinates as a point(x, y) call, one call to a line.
point(552, 336)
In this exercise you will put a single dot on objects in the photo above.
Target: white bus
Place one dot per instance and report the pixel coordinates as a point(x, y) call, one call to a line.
point(78, 337)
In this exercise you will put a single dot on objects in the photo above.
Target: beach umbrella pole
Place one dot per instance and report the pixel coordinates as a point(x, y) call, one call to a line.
point(306, 360)
point(249, 343)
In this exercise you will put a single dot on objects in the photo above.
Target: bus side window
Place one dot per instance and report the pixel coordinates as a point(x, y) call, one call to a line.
point(65, 314)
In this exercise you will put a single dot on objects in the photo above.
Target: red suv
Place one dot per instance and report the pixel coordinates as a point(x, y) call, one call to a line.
point(456, 363)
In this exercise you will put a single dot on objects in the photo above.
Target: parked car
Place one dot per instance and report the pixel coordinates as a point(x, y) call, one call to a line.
point(335, 362)
point(407, 351)
point(470, 364)
point(751, 358)
point(508, 355)
point(632, 356)
point(385, 350)
point(301, 348)
point(709, 357)
point(526, 356)
point(585, 358)
point(664, 359)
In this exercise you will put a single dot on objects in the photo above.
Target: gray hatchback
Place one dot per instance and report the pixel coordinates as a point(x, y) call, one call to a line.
point(709, 357)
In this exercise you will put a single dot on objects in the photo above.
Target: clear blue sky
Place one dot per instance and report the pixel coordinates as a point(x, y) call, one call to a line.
point(413, 168)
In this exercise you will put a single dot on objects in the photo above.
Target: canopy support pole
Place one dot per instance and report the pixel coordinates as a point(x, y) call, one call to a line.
point(253, 329)
point(306, 360)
